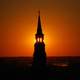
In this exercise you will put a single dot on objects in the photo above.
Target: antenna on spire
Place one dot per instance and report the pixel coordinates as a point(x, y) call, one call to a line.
point(39, 12)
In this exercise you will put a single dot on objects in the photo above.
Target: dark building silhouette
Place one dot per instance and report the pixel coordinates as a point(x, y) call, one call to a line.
point(39, 56)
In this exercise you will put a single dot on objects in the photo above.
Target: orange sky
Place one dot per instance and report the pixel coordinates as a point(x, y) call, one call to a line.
point(60, 23)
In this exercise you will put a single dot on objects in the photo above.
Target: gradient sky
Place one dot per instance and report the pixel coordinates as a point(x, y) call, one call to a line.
point(60, 23)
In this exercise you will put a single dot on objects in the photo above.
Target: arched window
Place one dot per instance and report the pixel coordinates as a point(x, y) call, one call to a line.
point(39, 39)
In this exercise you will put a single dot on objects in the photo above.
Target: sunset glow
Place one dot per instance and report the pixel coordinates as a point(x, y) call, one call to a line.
point(60, 24)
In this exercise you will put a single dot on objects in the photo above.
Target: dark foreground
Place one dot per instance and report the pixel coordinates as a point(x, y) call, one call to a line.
point(58, 68)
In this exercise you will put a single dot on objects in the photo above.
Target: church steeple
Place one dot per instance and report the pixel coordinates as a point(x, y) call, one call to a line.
point(39, 56)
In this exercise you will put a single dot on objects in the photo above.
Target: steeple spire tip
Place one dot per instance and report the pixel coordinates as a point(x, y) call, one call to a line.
point(39, 12)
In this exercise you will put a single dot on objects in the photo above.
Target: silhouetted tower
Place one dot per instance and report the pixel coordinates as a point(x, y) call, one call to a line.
point(39, 56)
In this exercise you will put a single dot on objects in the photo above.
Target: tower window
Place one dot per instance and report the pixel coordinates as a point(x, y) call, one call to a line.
point(39, 39)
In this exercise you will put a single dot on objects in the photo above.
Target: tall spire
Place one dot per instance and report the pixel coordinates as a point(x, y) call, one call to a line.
point(39, 56)
point(39, 29)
